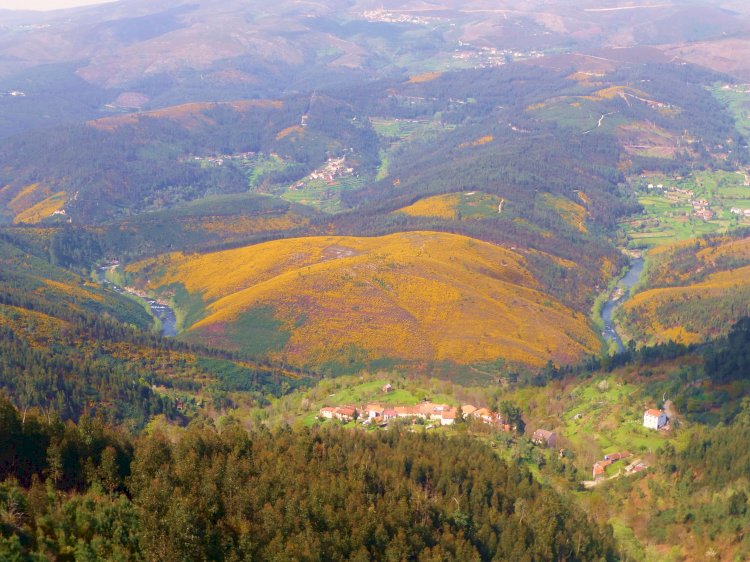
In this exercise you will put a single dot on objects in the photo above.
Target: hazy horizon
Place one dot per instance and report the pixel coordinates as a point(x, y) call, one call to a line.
point(47, 5)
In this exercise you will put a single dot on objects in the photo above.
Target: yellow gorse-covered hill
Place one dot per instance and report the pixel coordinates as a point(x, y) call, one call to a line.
point(411, 296)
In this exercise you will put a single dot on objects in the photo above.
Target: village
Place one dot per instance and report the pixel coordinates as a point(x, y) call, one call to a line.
point(485, 57)
point(438, 414)
point(701, 207)
point(385, 16)
point(219, 159)
point(333, 169)
point(430, 415)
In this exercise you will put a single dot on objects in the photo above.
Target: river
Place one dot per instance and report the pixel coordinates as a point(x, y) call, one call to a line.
point(159, 309)
point(621, 293)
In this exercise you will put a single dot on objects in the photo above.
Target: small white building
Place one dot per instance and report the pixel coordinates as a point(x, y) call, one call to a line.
point(654, 419)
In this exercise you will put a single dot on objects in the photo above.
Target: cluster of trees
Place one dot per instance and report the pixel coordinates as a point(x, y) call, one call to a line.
point(729, 359)
point(325, 494)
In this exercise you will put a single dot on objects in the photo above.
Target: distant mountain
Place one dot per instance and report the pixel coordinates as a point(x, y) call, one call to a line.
point(142, 53)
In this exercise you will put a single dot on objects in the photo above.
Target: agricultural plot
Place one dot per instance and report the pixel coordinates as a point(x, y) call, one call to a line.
point(703, 203)
point(322, 194)
point(261, 166)
point(609, 415)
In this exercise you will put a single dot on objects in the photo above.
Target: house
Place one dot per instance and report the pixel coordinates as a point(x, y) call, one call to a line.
point(616, 456)
point(636, 466)
point(468, 409)
point(387, 388)
point(654, 419)
point(407, 411)
point(345, 413)
point(486, 415)
point(544, 438)
point(433, 411)
point(328, 412)
point(389, 414)
point(373, 411)
point(448, 416)
point(600, 468)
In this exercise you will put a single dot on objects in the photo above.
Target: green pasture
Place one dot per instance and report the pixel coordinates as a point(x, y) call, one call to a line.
point(322, 195)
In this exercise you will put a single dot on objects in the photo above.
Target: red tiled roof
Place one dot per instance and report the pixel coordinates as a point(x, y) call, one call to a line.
point(653, 412)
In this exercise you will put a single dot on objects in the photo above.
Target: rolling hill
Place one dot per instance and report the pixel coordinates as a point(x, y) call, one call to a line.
point(695, 290)
point(417, 296)
point(147, 161)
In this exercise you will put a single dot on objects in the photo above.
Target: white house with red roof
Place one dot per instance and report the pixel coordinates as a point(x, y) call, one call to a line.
point(328, 412)
point(448, 416)
point(345, 413)
point(654, 419)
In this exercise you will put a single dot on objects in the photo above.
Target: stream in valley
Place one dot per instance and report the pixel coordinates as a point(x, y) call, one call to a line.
point(620, 294)
point(158, 308)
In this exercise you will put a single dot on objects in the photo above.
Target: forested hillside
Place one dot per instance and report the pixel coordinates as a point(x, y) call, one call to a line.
point(224, 494)
point(70, 348)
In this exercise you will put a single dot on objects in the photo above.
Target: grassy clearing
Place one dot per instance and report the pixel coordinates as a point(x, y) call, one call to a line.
point(397, 132)
point(579, 113)
point(609, 414)
point(455, 206)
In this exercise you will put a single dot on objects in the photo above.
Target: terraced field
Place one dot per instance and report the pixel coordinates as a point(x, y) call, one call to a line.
point(344, 300)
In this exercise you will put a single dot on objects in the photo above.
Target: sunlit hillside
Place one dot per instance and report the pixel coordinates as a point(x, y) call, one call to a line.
point(411, 296)
point(467, 205)
point(695, 290)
